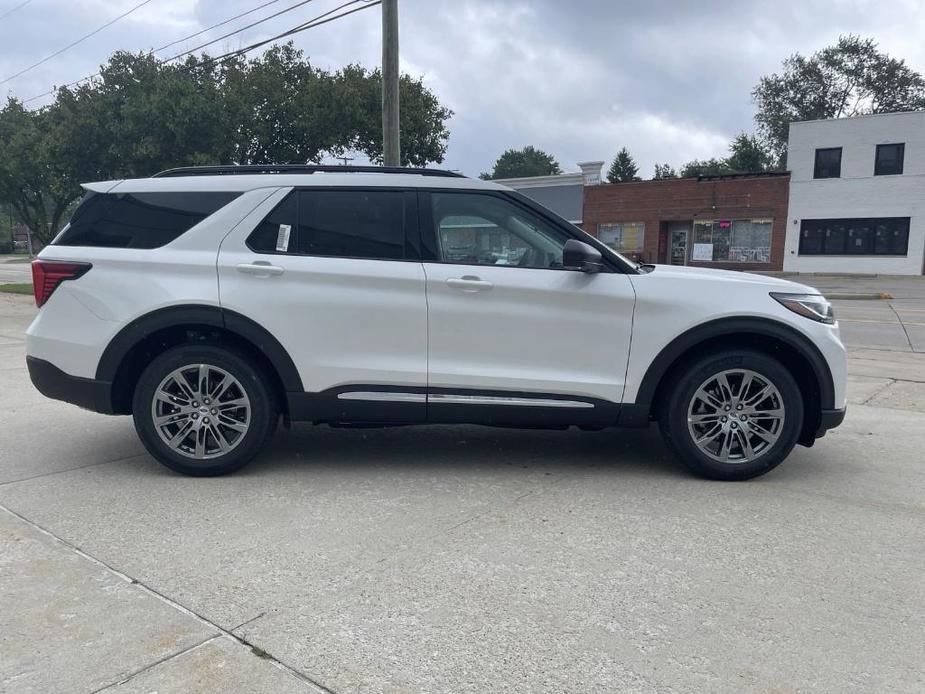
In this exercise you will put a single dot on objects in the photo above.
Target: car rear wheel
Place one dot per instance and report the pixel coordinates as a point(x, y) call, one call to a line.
point(733, 415)
point(203, 410)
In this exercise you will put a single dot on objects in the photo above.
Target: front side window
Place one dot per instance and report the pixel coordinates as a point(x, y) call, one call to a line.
point(828, 163)
point(886, 236)
point(889, 161)
point(477, 229)
point(732, 240)
point(138, 220)
point(625, 237)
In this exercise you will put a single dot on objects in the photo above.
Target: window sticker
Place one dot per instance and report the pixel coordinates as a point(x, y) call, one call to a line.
point(282, 239)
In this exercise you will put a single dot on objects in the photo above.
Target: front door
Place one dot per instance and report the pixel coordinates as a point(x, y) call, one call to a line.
point(328, 273)
point(509, 329)
point(678, 236)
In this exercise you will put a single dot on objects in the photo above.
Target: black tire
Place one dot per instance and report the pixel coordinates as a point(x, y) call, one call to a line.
point(251, 380)
point(673, 415)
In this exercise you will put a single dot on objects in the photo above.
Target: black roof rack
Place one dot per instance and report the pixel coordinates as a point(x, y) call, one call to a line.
point(298, 169)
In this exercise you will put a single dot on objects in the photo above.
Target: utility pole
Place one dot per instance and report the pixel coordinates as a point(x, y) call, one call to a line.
point(391, 146)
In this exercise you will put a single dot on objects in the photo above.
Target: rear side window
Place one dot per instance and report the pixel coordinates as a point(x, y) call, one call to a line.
point(335, 223)
point(138, 220)
point(352, 224)
point(275, 234)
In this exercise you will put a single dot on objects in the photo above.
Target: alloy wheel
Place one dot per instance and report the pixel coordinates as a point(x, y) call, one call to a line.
point(201, 411)
point(736, 416)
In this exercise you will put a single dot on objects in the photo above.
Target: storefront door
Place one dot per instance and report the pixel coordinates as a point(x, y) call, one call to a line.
point(678, 236)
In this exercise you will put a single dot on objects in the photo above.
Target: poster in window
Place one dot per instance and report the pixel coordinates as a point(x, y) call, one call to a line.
point(702, 251)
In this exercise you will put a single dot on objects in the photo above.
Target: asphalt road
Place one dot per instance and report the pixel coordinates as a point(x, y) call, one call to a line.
point(462, 559)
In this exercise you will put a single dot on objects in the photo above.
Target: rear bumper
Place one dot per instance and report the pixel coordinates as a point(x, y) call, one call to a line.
point(87, 393)
point(829, 419)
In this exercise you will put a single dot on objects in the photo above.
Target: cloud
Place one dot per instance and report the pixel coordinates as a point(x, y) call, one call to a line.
point(670, 80)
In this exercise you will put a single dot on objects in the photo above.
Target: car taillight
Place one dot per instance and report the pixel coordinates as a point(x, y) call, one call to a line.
point(48, 274)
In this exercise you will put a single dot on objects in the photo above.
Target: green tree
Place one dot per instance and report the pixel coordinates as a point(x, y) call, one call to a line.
point(748, 155)
point(850, 78)
point(140, 116)
point(623, 169)
point(31, 180)
point(663, 171)
point(519, 163)
point(704, 167)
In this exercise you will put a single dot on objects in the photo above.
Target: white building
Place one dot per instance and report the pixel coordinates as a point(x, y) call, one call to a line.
point(857, 195)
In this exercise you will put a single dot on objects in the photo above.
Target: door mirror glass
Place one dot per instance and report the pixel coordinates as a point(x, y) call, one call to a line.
point(578, 255)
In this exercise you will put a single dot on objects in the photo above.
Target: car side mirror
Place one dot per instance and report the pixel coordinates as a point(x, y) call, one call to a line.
point(577, 255)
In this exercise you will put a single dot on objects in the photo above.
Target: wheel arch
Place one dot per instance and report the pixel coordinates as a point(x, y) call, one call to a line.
point(793, 349)
point(132, 348)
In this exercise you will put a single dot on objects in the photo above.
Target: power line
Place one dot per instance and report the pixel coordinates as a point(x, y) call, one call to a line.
point(310, 24)
point(214, 26)
point(238, 31)
point(323, 18)
point(12, 10)
point(71, 45)
point(187, 38)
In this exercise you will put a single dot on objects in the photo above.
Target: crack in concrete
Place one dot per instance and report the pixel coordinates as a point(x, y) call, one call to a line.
point(72, 469)
point(880, 390)
point(156, 663)
point(905, 331)
point(172, 603)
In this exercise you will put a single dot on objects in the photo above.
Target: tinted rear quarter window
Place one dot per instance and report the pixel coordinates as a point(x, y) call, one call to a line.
point(139, 220)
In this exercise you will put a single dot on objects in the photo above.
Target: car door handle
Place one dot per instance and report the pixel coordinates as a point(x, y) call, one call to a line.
point(468, 283)
point(259, 268)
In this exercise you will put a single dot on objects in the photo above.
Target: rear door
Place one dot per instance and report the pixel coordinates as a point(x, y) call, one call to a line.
point(329, 272)
point(513, 336)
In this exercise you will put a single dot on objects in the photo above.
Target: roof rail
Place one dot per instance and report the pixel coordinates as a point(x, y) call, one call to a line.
point(245, 169)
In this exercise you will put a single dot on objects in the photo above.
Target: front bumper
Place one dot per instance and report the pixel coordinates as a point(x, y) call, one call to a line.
point(829, 419)
point(87, 393)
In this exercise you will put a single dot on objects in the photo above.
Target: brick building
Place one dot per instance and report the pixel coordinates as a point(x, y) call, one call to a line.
point(736, 221)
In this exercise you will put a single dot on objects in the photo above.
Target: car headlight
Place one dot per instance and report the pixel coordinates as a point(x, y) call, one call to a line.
point(813, 306)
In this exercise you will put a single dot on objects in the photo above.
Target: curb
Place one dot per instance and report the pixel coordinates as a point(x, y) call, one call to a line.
point(872, 296)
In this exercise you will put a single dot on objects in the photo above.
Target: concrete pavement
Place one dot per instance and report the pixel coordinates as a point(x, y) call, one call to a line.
point(457, 559)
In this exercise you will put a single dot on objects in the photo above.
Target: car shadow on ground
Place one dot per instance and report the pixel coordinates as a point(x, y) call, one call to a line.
point(471, 449)
point(462, 448)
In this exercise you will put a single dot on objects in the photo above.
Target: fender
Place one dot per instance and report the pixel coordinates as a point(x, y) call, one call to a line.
point(765, 327)
point(215, 316)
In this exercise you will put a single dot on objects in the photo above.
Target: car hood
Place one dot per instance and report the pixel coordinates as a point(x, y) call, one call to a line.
point(733, 277)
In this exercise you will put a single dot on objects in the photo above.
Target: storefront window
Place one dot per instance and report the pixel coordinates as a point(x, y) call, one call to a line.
point(886, 236)
point(624, 237)
point(732, 240)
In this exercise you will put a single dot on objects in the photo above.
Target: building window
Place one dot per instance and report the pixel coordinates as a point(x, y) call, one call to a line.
point(626, 237)
point(889, 160)
point(886, 236)
point(828, 163)
point(732, 241)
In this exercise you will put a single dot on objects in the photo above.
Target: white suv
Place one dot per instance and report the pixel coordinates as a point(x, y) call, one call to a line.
point(209, 302)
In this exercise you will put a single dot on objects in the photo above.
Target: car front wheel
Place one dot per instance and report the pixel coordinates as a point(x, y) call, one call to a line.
point(733, 415)
point(203, 410)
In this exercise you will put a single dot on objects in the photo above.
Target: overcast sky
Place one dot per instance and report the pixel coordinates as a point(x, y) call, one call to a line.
point(669, 79)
